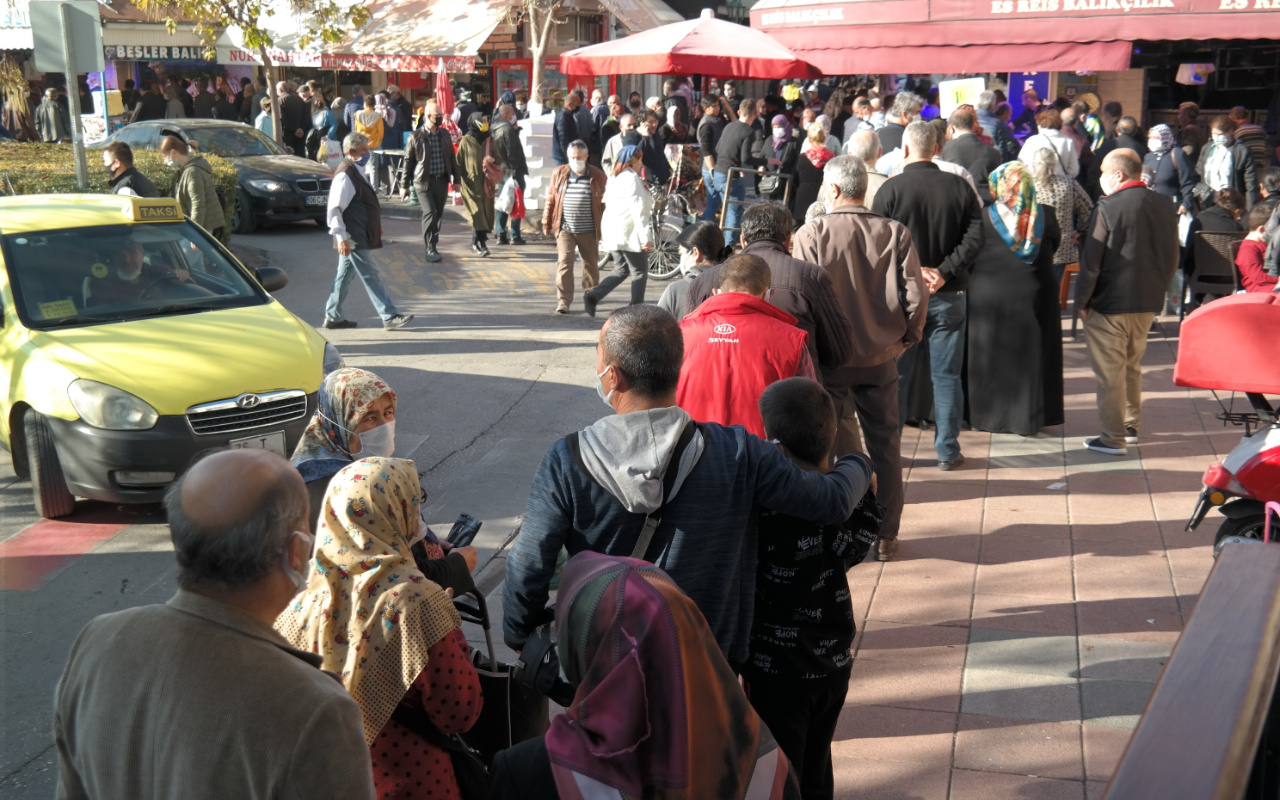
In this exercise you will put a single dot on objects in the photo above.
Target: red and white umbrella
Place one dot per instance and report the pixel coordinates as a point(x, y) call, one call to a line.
point(703, 46)
point(444, 96)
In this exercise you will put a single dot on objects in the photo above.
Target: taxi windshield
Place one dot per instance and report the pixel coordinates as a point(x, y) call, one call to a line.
point(233, 140)
point(113, 273)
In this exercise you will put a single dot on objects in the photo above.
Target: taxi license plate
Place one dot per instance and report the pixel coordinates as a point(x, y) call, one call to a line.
point(317, 200)
point(267, 441)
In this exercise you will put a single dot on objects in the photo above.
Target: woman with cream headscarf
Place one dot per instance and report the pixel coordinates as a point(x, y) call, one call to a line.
point(1015, 330)
point(391, 635)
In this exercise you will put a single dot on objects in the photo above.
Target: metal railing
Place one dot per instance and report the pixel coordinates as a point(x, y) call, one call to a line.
point(744, 172)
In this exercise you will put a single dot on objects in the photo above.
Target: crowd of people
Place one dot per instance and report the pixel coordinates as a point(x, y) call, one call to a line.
point(750, 457)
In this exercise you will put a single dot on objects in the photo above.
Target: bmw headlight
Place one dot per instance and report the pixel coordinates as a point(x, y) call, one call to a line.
point(104, 406)
point(332, 359)
point(269, 186)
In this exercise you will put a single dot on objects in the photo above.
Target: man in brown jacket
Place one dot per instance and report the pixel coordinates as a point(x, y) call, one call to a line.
point(876, 275)
point(574, 206)
point(201, 697)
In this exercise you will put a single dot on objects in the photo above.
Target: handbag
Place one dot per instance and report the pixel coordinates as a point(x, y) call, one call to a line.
point(492, 172)
point(468, 769)
point(519, 210)
point(770, 183)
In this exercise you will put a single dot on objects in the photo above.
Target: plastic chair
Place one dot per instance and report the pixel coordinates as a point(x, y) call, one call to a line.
point(1215, 271)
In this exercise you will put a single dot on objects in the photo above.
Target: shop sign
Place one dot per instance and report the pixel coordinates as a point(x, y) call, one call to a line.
point(150, 52)
point(291, 58)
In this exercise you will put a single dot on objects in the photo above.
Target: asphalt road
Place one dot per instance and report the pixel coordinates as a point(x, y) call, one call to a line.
point(487, 378)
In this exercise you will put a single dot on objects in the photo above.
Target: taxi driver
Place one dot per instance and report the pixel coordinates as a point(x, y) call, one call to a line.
point(130, 275)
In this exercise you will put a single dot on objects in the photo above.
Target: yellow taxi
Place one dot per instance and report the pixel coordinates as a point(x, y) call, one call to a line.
point(132, 341)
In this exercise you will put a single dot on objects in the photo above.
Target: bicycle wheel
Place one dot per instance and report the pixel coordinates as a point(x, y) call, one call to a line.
point(664, 258)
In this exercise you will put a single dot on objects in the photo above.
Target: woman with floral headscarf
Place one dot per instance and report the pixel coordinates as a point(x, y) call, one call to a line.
point(1015, 328)
point(356, 418)
point(391, 635)
point(657, 711)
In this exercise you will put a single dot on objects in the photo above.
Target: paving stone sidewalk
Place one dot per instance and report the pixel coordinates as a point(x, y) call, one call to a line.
point(1010, 649)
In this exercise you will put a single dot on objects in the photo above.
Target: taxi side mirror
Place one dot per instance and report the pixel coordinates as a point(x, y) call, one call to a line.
point(273, 279)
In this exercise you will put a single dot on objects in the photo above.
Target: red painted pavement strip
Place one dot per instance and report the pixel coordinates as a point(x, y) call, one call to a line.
point(35, 556)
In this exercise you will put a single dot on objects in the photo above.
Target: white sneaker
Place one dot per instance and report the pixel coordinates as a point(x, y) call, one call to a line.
point(1096, 444)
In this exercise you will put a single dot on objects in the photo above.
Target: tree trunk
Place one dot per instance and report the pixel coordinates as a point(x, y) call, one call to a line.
point(277, 130)
point(541, 23)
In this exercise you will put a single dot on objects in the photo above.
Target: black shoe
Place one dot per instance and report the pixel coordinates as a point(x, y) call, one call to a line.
point(1096, 445)
point(335, 324)
point(589, 304)
point(397, 322)
point(502, 239)
point(1130, 435)
point(518, 240)
point(955, 463)
point(484, 250)
point(433, 256)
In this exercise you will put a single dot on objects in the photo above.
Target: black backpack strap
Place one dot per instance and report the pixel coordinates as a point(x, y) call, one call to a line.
point(416, 720)
point(654, 518)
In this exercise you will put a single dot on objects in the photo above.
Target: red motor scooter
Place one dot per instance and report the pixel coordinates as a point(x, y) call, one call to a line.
point(1230, 345)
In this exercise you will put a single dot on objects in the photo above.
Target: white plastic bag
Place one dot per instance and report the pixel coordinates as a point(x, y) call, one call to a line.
point(330, 153)
point(506, 199)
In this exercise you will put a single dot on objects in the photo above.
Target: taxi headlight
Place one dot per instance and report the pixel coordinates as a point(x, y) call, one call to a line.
point(104, 406)
point(332, 358)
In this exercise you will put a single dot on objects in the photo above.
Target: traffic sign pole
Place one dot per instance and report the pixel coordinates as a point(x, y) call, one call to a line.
point(73, 100)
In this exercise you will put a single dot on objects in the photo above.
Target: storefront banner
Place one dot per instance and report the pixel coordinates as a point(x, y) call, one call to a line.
point(138, 52)
point(388, 63)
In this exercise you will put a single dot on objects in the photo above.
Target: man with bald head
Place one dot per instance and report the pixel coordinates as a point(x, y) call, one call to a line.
point(200, 697)
point(1128, 257)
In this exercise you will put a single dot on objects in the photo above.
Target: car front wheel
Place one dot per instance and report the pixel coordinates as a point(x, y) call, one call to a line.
point(48, 484)
point(242, 220)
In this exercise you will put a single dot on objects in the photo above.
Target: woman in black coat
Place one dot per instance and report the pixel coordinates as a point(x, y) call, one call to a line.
point(1015, 327)
point(786, 149)
point(809, 166)
point(1175, 177)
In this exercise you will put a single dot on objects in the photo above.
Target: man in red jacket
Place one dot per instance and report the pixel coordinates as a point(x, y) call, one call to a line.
point(735, 345)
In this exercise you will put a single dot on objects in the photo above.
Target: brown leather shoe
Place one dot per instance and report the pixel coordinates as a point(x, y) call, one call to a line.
point(886, 549)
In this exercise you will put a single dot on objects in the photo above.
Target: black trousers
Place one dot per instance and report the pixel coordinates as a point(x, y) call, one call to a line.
point(432, 196)
point(802, 716)
point(870, 395)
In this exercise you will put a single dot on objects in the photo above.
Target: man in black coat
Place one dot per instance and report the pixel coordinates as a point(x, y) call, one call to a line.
point(1128, 257)
point(945, 219)
point(295, 118)
point(151, 104)
point(970, 152)
point(905, 108)
point(565, 129)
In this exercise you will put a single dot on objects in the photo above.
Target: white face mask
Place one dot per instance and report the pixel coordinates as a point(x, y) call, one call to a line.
point(1222, 139)
point(1108, 184)
point(421, 534)
point(778, 133)
point(379, 441)
point(169, 162)
point(600, 387)
point(577, 165)
point(299, 578)
point(1154, 145)
point(689, 263)
point(129, 277)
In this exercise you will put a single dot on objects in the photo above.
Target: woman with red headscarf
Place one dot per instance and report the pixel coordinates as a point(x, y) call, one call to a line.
point(657, 711)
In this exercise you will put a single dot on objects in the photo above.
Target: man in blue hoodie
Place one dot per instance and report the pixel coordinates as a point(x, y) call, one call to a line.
point(650, 483)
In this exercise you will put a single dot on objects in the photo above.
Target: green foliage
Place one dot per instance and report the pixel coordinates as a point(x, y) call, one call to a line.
point(37, 168)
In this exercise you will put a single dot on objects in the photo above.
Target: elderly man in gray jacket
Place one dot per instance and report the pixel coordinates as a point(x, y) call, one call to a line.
point(875, 273)
point(201, 697)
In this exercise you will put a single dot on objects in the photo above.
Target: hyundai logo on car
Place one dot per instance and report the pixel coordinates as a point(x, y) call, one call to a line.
point(248, 401)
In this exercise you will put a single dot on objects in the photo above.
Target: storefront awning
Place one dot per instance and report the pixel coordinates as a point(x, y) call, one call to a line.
point(852, 36)
point(401, 36)
point(642, 15)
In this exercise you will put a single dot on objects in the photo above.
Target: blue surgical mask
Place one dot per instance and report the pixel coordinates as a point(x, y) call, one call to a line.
point(299, 578)
point(361, 161)
point(1222, 139)
point(600, 387)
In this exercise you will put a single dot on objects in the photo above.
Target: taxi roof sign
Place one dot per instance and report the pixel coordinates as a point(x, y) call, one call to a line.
point(157, 209)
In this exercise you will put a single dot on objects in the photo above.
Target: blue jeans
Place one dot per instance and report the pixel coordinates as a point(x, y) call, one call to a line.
point(362, 263)
point(715, 191)
point(732, 214)
point(944, 330)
